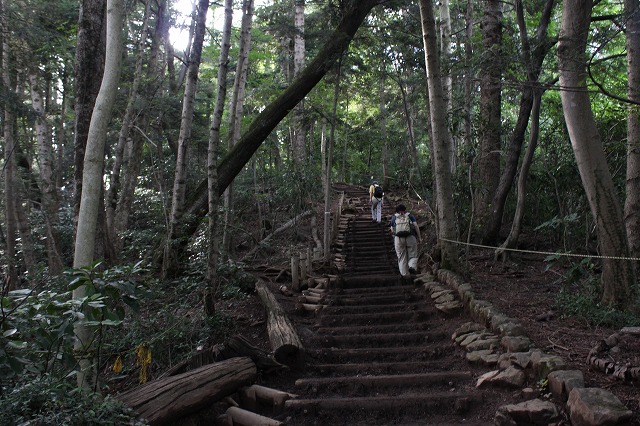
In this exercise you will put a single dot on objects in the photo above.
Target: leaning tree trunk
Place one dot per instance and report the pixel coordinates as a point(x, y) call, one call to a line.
point(90, 200)
point(170, 260)
point(355, 11)
point(441, 140)
point(632, 202)
point(618, 278)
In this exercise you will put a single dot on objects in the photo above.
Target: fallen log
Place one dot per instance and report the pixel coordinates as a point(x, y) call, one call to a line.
point(285, 343)
point(239, 346)
point(235, 346)
point(165, 400)
point(278, 231)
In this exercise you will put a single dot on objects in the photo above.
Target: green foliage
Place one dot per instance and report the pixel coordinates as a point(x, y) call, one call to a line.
point(580, 296)
point(47, 401)
point(37, 326)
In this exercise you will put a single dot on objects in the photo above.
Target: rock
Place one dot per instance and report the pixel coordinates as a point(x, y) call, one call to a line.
point(449, 307)
point(543, 364)
point(532, 412)
point(484, 343)
point(519, 359)
point(562, 382)
point(486, 377)
point(476, 356)
point(511, 377)
point(444, 297)
point(466, 328)
point(511, 328)
point(516, 343)
point(634, 331)
point(595, 407)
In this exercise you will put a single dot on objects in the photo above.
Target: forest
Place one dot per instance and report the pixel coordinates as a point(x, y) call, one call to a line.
point(149, 145)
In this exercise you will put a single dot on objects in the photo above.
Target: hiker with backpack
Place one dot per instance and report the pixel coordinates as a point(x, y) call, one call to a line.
point(376, 196)
point(406, 235)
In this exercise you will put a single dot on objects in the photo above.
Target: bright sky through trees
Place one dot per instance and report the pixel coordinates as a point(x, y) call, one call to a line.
point(179, 34)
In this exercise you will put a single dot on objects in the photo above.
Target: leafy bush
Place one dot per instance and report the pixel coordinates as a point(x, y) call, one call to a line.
point(38, 326)
point(47, 401)
point(580, 296)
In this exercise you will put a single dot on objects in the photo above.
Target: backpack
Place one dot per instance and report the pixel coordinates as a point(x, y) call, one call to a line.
point(377, 191)
point(402, 226)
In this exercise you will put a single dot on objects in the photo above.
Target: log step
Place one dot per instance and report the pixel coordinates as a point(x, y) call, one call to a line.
point(363, 299)
point(371, 291)
point(373, 318)
point(454, 401)
point(368, 329)
point(382, 367)
point(410, 353)
point(376, 309)
point(389, 380)
point(383, 340)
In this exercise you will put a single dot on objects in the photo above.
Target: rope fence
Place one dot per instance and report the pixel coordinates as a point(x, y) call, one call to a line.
point(547, 253)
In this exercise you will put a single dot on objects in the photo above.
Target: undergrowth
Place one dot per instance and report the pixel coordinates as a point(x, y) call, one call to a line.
point(580, 296)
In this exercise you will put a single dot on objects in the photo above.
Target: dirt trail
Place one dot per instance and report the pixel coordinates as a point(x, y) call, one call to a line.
point(380, 353)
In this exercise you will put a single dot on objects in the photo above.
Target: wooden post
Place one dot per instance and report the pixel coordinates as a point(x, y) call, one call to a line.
point(238, 416)
point(303, 269)
point(255, 396)
point(295, 279)
point(327, 237)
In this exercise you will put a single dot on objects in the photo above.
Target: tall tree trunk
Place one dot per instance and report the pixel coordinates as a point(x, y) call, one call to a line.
point(237, 104)
point(62, 131)
point(134, 149)
point(469, 77)
point(516, 227)
point(299, 128)
point(90, 51)
point(212, 163)
point(10, 272)
point(383, 129)
point(447, 81)
point(632, 202)
point(50, 203)
point(618, 278)
point(184, 68)
point(490, 112)
point(124, 138)
point(329, 167)
point(533, 60)
point(24, 229)
point(170, 260)
point(441, 139)
point(90, 200)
